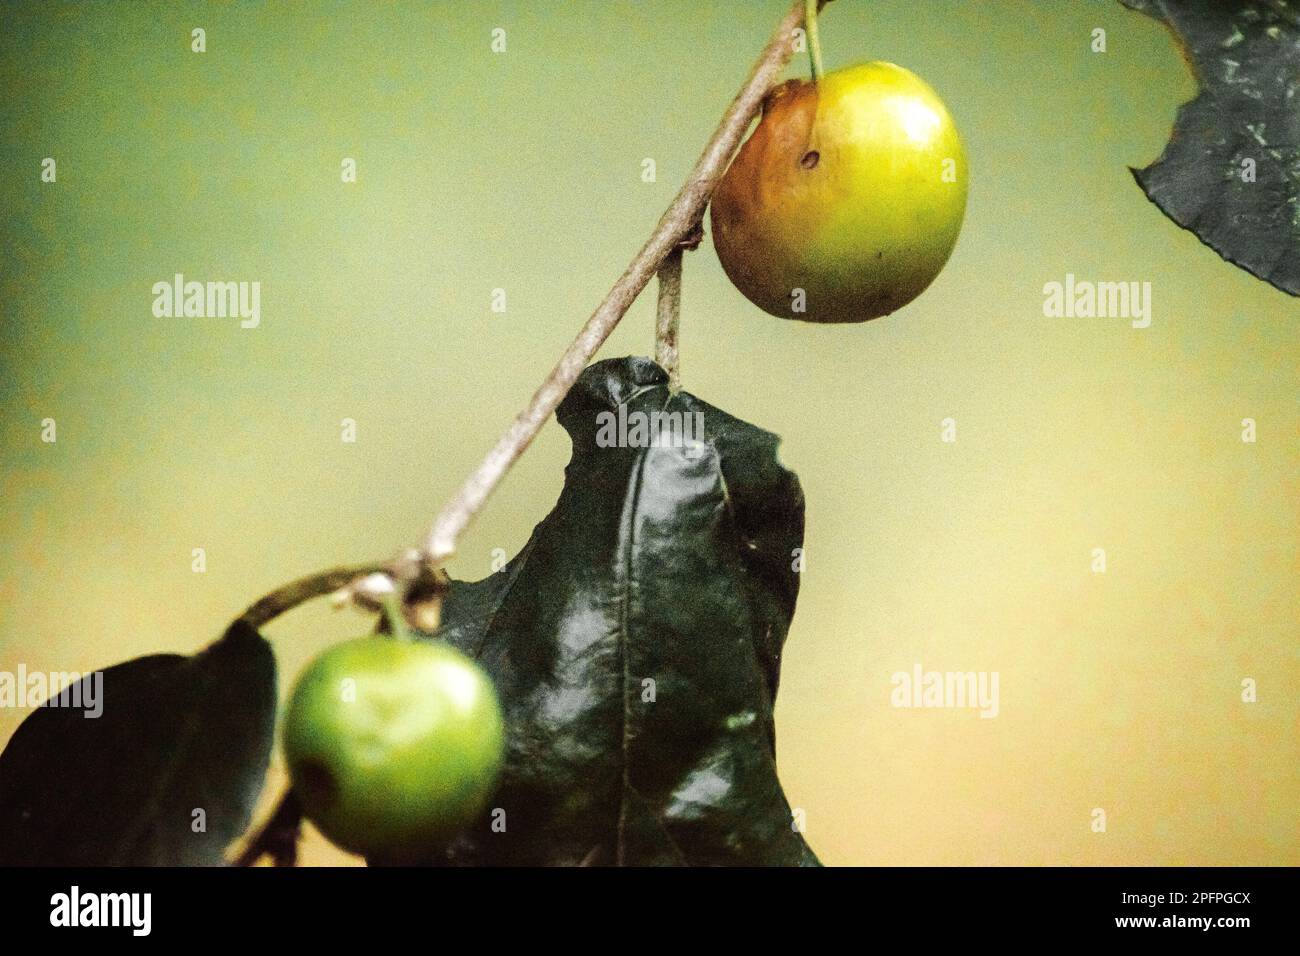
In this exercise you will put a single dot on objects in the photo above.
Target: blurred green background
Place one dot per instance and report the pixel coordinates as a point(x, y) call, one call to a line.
point(522, 170)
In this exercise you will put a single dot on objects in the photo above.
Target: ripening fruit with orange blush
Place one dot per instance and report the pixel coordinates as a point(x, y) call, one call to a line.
point(847, 200)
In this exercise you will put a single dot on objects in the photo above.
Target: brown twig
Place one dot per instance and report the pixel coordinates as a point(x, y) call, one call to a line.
point(416, 572)
point(676, 224)
point(669, 309)
point(669, 318)
point(297, 592)
point(419, 571)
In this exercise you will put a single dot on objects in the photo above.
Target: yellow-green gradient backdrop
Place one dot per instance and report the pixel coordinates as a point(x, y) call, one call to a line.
point(522, 170)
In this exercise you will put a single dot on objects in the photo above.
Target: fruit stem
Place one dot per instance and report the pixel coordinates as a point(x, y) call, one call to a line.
point(667, 326)
point(396, 619)
point(814, 41)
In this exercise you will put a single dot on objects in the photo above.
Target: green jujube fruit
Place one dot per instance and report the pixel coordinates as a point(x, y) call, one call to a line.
point(393, 746)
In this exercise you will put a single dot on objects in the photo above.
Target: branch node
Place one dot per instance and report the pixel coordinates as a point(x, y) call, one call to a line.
point(693, 238)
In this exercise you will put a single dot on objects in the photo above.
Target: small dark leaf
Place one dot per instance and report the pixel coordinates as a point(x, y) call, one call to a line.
point(176, 734)
point(657, 564)
point(1244, 125)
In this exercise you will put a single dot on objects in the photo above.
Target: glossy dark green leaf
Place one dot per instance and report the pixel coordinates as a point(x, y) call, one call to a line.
point(636, 644)
point(1231, 171)
point(176, 735)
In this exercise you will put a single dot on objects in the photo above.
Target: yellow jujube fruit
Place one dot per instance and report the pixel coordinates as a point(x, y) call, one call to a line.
point(846, 201)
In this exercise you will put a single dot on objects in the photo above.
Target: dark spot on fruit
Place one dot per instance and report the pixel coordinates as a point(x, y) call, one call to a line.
point(880, 254)
point(316, 783)
point(810, 159)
